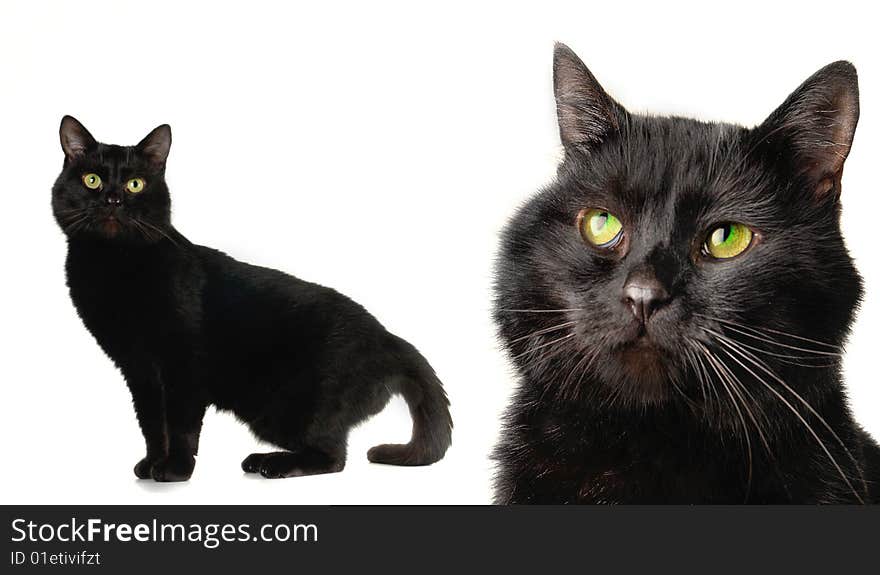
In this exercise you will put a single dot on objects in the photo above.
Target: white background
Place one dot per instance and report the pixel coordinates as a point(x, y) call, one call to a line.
point(377, 150)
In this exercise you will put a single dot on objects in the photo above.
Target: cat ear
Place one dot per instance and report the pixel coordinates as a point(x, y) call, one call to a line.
point(814, 127)
point(156, 145)
point(586, 113)
point(75, 139)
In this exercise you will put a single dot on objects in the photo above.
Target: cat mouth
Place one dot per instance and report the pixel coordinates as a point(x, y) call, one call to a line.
point(646, 370)
point(111, 226)
point(636, 334)
point(641, 356)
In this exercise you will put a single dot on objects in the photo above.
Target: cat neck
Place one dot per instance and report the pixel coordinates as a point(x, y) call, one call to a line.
point(168, 240)
point(594, 413)
point(91, 259)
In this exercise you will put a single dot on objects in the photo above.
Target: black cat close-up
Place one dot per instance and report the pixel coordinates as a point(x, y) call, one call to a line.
point(190, 327)
point(676, 305)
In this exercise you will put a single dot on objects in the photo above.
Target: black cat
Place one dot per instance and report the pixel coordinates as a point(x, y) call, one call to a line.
point(676, 303)
point(189, 326)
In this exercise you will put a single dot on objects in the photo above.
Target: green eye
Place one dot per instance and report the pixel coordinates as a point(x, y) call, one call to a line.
point(135, 185)
point(91, 181)
point(728, 240)
point(600, 228)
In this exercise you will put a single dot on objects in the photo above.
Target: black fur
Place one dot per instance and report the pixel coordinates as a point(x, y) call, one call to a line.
point(189, 326)
point(731, 391)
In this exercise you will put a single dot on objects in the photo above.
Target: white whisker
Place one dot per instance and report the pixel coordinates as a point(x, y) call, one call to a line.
point(745, 355)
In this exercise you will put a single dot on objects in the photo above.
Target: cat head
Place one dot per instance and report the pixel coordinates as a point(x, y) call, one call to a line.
point(670, 251)
point(114, 193)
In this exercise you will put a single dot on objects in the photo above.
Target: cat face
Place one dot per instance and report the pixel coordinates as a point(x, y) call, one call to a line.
point(115, 193)
point(670, 251)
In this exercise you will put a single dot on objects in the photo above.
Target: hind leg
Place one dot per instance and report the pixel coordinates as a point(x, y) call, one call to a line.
point(303, 461)
point(314, 454)
point(314, 432)
point(308, 461)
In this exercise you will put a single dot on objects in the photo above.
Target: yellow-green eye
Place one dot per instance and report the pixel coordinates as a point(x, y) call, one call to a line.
point(135, 185)
point(728, 240)
point(601, 228)
point(91, 181)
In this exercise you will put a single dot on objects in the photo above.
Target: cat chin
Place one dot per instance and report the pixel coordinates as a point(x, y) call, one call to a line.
point(111, 233)
point(115, 229)
point(644, 373)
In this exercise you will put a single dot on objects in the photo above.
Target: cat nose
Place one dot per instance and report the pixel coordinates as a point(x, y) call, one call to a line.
point(113, 200)
point(644, 295)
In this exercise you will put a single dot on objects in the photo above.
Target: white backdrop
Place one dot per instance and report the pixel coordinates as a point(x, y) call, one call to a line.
point(374, 149)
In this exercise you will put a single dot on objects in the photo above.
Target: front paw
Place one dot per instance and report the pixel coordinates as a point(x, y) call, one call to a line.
point(144, 468)
point(177, 467)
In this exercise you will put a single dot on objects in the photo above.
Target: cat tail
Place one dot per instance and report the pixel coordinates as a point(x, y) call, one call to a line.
point(429, 407)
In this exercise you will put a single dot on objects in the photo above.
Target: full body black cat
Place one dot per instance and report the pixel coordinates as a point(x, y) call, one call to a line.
point(189, 326)
point(676, 303)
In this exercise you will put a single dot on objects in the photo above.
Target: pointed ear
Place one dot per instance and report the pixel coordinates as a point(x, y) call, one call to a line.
point(586, 113)
point(156, 145)
point(75, 139)
point(814, 128)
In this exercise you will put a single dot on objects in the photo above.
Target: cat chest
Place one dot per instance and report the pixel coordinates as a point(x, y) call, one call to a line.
point(660, 480)
point(598, 470)
point(122, 304)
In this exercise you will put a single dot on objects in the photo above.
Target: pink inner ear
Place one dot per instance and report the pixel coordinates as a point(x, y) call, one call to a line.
point(75, 139)
point(584, 110)
point(817, 123)
point(830, 154)
point(73, 146)
point(156, 152)
point(842, 133)
point(156, 144)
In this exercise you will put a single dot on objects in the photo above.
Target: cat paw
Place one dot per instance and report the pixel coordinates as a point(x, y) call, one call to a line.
point(277, 465)
point(173, 468)
point(143, 469)
point(252, 462)
point(286, 464)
